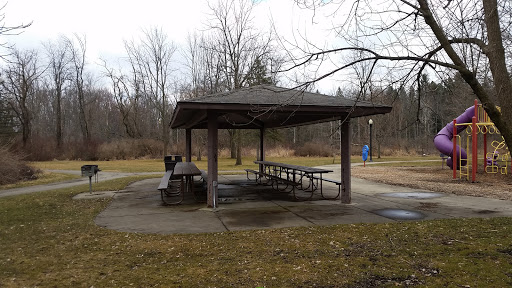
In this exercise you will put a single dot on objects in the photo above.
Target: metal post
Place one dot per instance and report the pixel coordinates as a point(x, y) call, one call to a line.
point(474, 152)
point(454, 151)
point(371, 125)
point(485, 147)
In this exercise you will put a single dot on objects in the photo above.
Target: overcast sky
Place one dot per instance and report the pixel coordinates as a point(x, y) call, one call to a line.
point(106, 23)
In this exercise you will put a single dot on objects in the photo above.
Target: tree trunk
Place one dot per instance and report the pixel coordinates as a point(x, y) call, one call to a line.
point(58, 119)
point(238, 147)
point(25, 132)
point(502, 82)
point(232, 143)
point(165, 125)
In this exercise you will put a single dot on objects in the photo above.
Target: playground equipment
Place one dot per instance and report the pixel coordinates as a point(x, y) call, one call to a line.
point(474, 121)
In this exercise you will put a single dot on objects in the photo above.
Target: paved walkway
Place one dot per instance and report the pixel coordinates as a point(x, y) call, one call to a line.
point(102, 176)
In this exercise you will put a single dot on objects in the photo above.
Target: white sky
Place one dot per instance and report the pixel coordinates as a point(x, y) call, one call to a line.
point(106, 23)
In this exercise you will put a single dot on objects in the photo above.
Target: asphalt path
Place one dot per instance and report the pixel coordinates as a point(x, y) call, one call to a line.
point(102, 176)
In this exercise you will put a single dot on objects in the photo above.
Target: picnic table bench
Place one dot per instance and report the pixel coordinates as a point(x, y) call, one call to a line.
point(177, 181)
point(302, 178)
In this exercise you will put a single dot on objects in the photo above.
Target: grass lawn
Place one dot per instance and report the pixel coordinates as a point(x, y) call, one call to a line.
point(49, 240)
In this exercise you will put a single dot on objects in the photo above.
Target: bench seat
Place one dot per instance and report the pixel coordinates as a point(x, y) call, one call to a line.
point(164, 182)
point(336, 182)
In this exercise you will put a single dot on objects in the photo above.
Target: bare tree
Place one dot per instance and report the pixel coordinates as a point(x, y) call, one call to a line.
point(152, 65)
point(238, 45)
point(6, 30)
point(126, 94)
point(77, 47)
point(19, 84)
point(58, 71)
point(408, 38)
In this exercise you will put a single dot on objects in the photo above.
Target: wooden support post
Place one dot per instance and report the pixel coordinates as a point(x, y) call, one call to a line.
point(346, 139)
point(188, 144)
point(262, 148)
point(213, 135)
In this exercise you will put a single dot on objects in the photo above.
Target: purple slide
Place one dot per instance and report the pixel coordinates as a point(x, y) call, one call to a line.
point(443, 139)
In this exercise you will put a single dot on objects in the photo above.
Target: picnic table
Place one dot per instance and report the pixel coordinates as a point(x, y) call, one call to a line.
point(303, 178)
point(184, 172)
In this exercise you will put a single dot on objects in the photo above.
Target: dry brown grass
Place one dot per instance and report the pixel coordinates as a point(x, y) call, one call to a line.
point(439, 180)
point(125, 149)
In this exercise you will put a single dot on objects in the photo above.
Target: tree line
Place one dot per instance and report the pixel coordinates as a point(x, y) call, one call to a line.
point(53, 105)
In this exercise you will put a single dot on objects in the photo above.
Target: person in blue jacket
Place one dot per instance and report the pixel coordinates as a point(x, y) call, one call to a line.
point(365, 154)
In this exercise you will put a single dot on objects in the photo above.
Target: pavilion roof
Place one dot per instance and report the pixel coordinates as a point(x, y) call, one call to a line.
point(270, 107)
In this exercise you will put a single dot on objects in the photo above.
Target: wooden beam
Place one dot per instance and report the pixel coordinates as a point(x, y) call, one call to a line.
point(242, 119)
point(346, 139)
point(213, 137)
point(196, 118)
point(188, 143)
point(262, 148)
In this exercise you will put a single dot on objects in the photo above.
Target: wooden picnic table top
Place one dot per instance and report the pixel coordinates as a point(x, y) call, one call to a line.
point(186, 169)
point(305, 169)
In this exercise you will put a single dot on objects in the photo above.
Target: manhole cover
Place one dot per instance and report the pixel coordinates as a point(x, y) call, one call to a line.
point(248, 184)
point(400, 214)
point(413, 195)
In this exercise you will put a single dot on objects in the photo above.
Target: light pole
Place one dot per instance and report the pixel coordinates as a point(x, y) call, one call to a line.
point(371, 125)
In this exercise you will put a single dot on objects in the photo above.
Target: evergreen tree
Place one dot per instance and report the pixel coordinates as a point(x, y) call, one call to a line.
point(258, 74)
point(7, 121)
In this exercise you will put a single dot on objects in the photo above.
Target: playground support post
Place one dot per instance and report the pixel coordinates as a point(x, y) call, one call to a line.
point(475, 143)
point(485, 147)
point(474, 155)
point(454, 151)
point(371, 125)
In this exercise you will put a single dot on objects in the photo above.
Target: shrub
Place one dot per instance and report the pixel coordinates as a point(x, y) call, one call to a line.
point(123, 149)
point(314, 149)
point(13, 169)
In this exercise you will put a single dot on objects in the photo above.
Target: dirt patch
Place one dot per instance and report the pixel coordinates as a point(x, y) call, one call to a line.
point(427, 206)
point(438, 180)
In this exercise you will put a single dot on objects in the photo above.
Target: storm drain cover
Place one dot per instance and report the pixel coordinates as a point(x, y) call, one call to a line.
point(400, 214)
point(413, 195)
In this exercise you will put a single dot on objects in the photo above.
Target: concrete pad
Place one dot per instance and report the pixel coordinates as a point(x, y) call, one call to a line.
point(139, 209)
point(245, 205)
point(260, 218)
point(330, 214)
point(163, 223)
